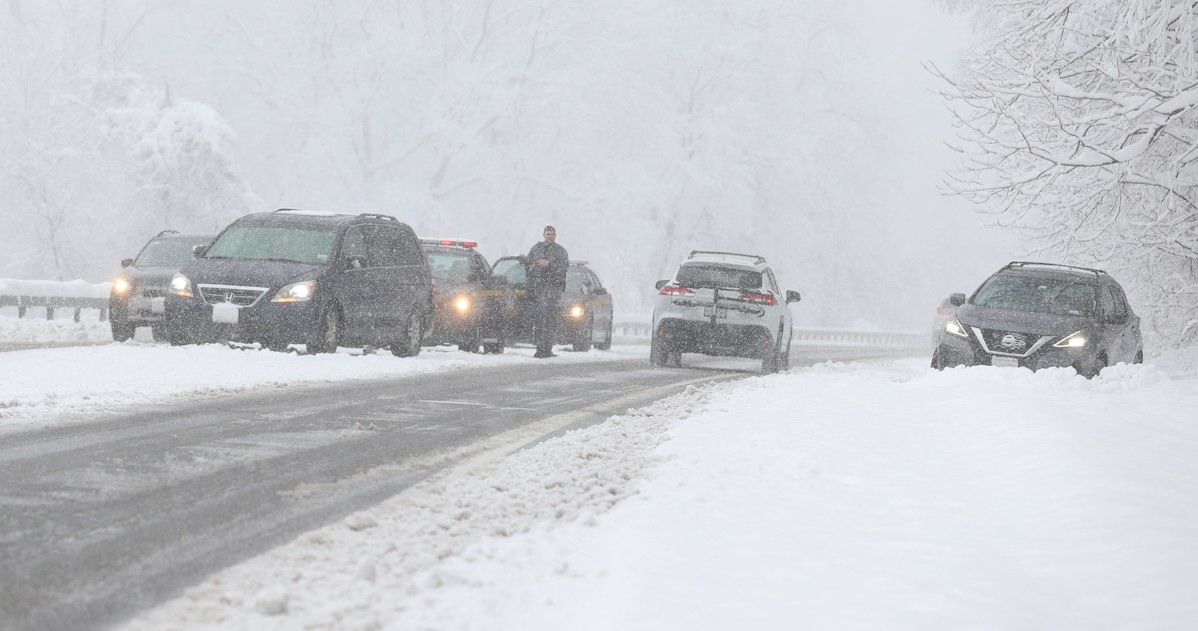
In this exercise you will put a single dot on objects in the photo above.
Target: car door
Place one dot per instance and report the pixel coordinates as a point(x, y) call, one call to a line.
point(1128, 326)
point(780, 306)
point(399, 279)
point(356, 282)
point(1113, 324)
point(601, 306)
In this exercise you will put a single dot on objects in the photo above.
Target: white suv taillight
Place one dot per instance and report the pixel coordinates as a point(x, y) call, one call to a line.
point(675, 290)
point(765, 299)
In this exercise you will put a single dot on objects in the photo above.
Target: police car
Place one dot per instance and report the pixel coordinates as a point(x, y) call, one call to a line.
point(471, 306)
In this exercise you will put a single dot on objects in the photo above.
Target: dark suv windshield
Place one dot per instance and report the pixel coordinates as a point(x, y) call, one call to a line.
point(309, 244)
point(1056, 296)
point(718, 276)
point(165, 253)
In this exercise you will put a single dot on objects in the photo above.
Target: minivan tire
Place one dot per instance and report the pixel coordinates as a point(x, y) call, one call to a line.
point(409, 344)
point(328, 332)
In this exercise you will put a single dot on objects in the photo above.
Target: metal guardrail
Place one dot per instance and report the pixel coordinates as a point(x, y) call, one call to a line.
point(53, 303)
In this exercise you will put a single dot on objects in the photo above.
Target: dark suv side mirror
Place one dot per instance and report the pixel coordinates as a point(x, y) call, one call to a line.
point(792, 296)
point(126, 262)
point(956, 300)
point(661, 283)
point(200, 250)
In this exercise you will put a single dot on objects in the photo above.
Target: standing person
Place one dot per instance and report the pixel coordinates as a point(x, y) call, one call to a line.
point(547, 264)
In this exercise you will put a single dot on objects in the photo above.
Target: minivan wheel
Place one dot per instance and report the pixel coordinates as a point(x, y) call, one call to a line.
point(1139, 357)
point(121, 330)
point(158, 332)
point(409, 345)
point(328, 332)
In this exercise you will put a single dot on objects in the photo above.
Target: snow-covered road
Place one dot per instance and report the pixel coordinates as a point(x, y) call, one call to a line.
point(871, 495)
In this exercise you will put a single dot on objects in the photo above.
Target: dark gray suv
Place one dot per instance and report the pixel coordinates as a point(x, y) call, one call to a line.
point(1040, 315)
point(139, 291)
point(320, 279)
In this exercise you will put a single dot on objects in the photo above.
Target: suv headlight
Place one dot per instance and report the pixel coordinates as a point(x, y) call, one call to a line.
point(575, 311)
point(181, 286)
point(296, 292)
point(1076, 339)
point(121, 285)
point(953, 327)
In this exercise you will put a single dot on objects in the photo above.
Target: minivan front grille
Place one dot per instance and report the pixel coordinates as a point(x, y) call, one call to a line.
point(240, 296)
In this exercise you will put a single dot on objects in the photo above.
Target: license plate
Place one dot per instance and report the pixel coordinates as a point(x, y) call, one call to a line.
point(158, 305)
point(225, 313)
point(1004, 362)
point(722, 312)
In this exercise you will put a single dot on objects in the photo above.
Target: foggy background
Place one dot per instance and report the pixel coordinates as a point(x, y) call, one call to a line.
point(806, 131)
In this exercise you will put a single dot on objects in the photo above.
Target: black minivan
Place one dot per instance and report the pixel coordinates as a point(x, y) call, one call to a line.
point(321, 279)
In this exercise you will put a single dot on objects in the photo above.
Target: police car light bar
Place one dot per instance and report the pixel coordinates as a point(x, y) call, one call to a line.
point(451, 242)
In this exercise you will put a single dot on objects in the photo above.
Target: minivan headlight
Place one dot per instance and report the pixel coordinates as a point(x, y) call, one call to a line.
point(181, 285)
point(953, 327)
point(296, 292)
point(1076, 339)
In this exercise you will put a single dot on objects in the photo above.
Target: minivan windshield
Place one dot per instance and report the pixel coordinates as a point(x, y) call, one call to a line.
point(1056, 296)
point(718, 276)
point(166, 253)
point(309, 244)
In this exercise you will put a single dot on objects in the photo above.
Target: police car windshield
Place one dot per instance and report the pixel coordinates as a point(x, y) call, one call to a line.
point(718, 276)
point(449, 266)
point(1055, 296)
point(310, 244)
point(166, 253)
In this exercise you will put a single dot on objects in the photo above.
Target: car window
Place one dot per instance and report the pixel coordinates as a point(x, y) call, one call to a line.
point(771, 282)
point(695, 275)
point(450, 266)
point(382, 245)
point(1114, 309)
point(166, 253)
point(1122, 311)
point(353, 248)
point(275, 243)
point(1042, 295)
point(409, 250)
point(511, 269)
point(576, 282)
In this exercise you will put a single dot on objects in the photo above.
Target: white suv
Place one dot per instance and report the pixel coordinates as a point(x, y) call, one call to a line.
point(725, 304)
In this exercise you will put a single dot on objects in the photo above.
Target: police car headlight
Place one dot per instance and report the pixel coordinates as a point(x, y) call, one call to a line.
point(181, 286)
point(462, 304)
point(576, 311)
point(296, 292)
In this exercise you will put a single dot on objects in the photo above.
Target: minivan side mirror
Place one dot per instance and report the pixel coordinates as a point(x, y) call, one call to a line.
point(792, 296)
point(126, 262)
point(200, 250)
point(956, 300)
point(661, 283)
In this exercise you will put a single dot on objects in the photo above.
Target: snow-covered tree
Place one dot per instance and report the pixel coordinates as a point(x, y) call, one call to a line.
point(1079, 128)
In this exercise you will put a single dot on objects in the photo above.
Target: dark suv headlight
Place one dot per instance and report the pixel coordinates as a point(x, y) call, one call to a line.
point(953, 327)
point(1076, 339)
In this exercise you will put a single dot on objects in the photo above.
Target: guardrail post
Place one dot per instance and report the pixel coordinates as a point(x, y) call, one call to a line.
point(21, 312)
point(49, 313)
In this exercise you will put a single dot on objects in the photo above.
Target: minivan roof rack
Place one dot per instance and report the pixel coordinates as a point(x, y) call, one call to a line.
point(378, 216)
point(166, 232)
point(755, 258)
point(1022, 264)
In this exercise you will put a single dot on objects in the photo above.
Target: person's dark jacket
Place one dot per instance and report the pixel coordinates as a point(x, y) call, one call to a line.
point(555, 274)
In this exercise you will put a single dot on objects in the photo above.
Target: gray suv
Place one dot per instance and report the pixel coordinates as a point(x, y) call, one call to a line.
point(1040, 315)
point(722, 304)
point(139, 292)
